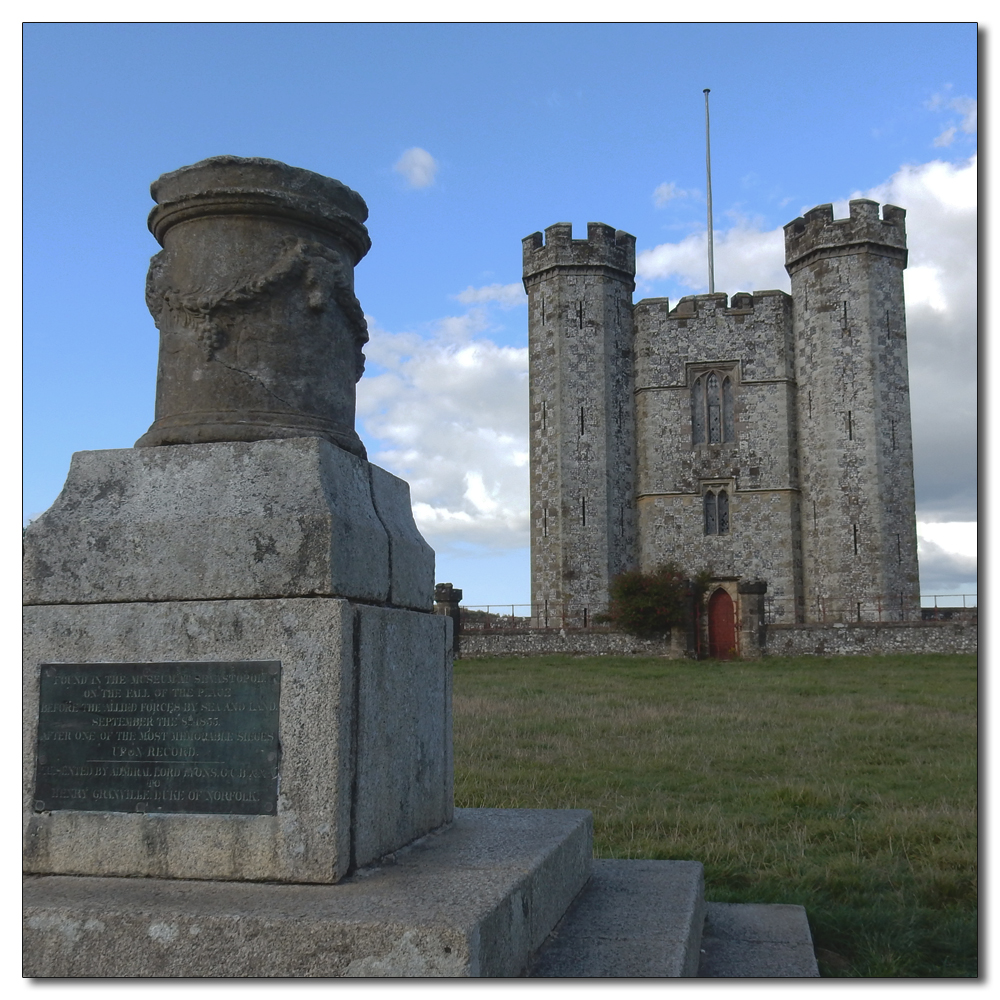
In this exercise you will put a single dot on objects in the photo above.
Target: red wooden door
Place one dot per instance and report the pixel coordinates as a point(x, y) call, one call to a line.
point(721, 626)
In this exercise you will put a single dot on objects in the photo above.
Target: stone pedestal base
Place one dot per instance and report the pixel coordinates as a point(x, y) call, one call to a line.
point(364, 725)
point(477, 899)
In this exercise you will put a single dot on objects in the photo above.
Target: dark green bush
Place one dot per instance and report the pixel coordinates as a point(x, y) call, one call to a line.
point(647, 603)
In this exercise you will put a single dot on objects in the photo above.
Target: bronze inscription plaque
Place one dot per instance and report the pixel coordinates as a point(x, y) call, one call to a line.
point(159, 737)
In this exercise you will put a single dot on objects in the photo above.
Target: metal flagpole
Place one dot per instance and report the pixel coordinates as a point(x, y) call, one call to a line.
point(708, 170)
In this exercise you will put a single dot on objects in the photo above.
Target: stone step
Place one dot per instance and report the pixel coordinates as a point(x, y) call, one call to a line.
point(633, 918)
point(756, 941)
point(476, 899)
point(649, 919)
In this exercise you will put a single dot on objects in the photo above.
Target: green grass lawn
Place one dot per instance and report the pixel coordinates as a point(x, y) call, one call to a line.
point(844, 784)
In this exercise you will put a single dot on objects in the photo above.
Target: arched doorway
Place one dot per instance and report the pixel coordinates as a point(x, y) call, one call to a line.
point(721, 626)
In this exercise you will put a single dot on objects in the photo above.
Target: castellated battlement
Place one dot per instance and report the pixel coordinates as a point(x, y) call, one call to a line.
point(818, 234)
point(604, 247)
point(713, 303)
point(763, 436)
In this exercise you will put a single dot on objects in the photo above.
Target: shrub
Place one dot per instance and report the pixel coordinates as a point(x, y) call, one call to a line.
point(646, 603)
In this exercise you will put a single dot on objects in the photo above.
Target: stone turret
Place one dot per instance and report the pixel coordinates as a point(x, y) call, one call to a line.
point(762, 438)
point(582, 417)
point(856, 457)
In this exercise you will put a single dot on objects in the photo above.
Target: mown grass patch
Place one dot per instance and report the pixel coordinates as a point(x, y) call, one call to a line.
point(844, 784)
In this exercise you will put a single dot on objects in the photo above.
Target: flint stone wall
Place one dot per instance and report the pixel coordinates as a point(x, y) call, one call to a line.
point(545, 643)
point(872, 638)
point(750, 339)
point(581, 407)
point(861, 638)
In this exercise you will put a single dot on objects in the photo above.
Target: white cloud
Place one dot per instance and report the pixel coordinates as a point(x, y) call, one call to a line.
point(960, 538)
point(506, 296)
point(940, 282)
point(667, 192)
point(746, 259)
point(941, 316)
point(947, 554)
point(417, 166)
point(967, 108)
point(449, 413)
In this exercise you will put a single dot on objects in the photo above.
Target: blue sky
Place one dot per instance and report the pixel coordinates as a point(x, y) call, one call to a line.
point(463, 139)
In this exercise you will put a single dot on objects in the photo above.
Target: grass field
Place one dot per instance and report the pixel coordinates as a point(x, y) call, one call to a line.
point(844, 784)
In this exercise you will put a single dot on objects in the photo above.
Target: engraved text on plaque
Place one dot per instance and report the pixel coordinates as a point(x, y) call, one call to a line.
point(159, 737)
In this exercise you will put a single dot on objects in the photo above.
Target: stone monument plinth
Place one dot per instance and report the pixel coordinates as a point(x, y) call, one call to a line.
point(232, 669)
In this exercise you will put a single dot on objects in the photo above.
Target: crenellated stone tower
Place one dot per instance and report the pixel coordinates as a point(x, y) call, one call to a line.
point(859, 529)
point(765, 438)
point(582, 417)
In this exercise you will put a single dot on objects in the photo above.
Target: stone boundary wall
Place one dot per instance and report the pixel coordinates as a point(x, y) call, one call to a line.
point(542, 642)
point(860, 638)
point(872, 638)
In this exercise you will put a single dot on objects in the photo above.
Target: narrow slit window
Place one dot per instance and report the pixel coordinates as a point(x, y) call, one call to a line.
point(713, 408)
point(728, 421)
point(583, 512)
point(711, 514)
point(698, 411)
point(581, 421)
point(723, 503)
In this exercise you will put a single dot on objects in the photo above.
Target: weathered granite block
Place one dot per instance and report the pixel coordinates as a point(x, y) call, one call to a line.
point(228, 520)
point(411, 559)
point(635, 919)
point(475, 900)
point(364, 728)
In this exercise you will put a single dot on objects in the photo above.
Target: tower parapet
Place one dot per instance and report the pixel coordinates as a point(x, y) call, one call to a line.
point(817, 234)
point(604, 247)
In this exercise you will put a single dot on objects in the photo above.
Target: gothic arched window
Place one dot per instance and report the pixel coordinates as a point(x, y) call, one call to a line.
point(715, 505)
point(712, 417)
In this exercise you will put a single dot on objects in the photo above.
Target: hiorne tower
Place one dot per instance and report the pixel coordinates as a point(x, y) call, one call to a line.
point(764, 437)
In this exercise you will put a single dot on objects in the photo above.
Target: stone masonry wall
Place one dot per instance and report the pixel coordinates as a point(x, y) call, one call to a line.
point(750, 339)
point(861, 639)
point(582, 422)
point(816, 461)
point(872, 638)
point(859, 530)
point(545, 642)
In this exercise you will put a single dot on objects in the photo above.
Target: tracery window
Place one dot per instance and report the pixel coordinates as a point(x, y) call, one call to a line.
point(712, 417)
point(715, 505)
